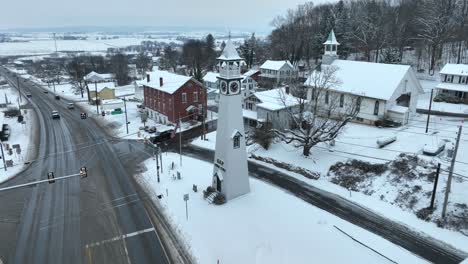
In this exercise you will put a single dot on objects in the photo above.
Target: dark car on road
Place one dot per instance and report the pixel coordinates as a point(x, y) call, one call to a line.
point(57, 97)
point(55, 115)
point(161, 136)
point(46, 92)
point(28, 95)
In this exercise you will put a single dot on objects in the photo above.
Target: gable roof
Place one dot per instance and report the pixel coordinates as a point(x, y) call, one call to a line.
point(251, 72)
point(211, 77)
point(275, 65)
point(98, 77)
point(455, 69)
point(229, 52)
point(171, 81)
point(375, 80)
point(275, 99)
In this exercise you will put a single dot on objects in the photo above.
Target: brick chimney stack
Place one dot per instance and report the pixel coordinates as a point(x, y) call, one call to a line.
point(161, 81)
point(147, 78)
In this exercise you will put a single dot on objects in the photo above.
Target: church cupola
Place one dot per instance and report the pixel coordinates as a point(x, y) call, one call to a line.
point(331, 48)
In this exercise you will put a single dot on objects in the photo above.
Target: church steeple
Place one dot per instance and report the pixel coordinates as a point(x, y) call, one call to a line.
point(331, 48)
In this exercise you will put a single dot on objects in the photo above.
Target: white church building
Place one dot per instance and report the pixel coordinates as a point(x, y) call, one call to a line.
point(385, 91)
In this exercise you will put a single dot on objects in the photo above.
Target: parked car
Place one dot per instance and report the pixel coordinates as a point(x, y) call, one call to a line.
point(46, 92)
point(71, 106)
point(57, 97)
point(28, 95)
point(161, 136)
point(152, 130)
point(55, 115)
point(5, 134)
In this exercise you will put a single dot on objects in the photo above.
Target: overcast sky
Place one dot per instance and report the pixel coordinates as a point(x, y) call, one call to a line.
point(247, 14)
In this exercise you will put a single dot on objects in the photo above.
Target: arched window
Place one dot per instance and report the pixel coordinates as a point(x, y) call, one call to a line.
point(236, 143)
point(376, 108)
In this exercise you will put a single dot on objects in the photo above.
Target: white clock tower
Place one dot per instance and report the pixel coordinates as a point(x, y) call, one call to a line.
point(230, 174)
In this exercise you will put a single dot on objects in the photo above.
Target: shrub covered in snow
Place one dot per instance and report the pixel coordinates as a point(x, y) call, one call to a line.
point(289, 167)
point(219, 199)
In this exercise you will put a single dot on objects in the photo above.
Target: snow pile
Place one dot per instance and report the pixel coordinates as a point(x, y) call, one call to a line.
point(406, 182)
point(267, 225)
point(290, 167)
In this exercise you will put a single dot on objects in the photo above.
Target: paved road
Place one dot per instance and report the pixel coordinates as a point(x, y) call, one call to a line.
point(77, 220)
point(420, 244)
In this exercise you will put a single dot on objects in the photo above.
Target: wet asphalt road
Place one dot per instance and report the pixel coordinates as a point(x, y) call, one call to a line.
point(75, 220)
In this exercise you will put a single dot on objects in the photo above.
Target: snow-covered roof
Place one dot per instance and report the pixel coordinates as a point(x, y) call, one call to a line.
point(229, 52)
point(171, 81)
point(275, 65)
point(374, 80)
point(398, 109)
point(251, 72)
point(211, 77)
point(101, 86)
point(97, 77)
point(331, 39)
point(452, 87)
point(249, 114)
point(455, 69)
point(275, 99)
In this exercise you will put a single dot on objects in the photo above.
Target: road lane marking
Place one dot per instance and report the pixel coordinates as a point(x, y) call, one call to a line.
point(117, 238)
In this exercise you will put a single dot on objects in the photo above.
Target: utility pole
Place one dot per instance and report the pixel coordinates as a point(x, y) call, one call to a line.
point(3, 156)
point(435, 186)
point(160, 157)
point(157, 163)
point(126, 119)
point(429, 113)
point(449, 180)
point(180, 140)
point(96, 98)
point(19, 88)
point(55, 42)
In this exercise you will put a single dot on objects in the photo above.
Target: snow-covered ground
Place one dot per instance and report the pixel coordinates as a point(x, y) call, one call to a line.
point(20, 134)
point(46, 46)
point(265, 226)
point(359, 142)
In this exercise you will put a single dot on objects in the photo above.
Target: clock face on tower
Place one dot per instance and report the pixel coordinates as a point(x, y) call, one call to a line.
point(223, 87)
point(234, 87)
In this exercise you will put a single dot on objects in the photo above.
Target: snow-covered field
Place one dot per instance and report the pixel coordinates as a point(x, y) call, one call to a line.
point(20, 134)
point(46, 46)
point(359, 142)
point(265, 226)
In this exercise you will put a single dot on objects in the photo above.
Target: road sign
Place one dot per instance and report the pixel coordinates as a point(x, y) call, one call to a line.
point(186, 197)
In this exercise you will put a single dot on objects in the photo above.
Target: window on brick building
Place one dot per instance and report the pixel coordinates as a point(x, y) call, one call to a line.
point(195, 96)
point(184, 97)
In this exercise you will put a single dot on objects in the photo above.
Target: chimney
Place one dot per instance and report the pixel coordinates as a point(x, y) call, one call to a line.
point(161, 81)
point(286, 89)
point(147, 78)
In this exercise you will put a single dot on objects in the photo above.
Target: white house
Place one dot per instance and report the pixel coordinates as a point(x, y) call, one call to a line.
point(384, 91)
point(454, 83)
point(274, 106)
point(277, 71)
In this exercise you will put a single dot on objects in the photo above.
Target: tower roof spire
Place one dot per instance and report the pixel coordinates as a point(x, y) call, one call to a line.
point(229, 51)
point(331, 40)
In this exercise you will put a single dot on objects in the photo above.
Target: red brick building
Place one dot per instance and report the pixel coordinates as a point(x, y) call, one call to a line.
point(168, 96)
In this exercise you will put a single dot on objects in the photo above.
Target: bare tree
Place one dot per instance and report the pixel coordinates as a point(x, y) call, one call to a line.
point(323, 117)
